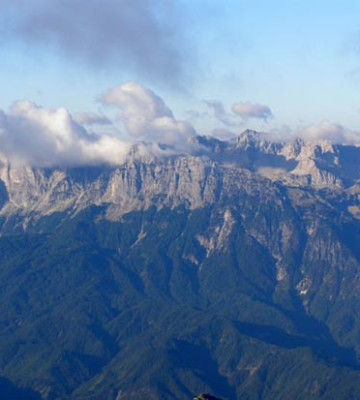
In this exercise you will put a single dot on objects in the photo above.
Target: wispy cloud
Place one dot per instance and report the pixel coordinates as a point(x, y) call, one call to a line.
point(220, 113)
point(244, 110)
point(249, 110)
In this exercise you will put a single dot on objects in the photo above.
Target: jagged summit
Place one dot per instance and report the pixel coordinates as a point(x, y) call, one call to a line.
point(168, 181)
point(319, 163)
point(250, 136)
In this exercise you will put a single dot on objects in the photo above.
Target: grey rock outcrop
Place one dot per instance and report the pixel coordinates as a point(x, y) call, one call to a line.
point(216, 169)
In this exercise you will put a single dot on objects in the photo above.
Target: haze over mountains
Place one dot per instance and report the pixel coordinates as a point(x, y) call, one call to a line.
point(232, 270)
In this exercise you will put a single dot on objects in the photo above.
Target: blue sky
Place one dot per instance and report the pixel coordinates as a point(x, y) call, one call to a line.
point(300, 59)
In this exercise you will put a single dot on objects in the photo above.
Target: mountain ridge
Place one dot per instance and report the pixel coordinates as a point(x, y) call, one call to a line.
point(182, 179)
point(162, 278)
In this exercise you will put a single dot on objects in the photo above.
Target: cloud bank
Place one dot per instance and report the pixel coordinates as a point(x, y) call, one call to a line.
point(141, 35)
point(30, 134)
point(39, 136)
point(144, 126)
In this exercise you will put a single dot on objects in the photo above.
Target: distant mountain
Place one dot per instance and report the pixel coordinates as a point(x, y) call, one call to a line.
point(185, 179)
point(234, 271)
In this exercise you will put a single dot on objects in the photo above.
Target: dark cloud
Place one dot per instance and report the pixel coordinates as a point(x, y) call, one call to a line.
point(136, 35)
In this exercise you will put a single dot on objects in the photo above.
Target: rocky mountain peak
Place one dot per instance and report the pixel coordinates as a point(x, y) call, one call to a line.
point(195, 180)
point(254, 139)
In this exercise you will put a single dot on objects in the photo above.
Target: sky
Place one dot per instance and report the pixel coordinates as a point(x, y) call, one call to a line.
point(86, 76)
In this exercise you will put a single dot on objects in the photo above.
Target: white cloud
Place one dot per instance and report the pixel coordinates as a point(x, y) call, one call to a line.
point(39, 136)
point(326, 130)
point(145, 115)
point(30, 134)
point(249, 110)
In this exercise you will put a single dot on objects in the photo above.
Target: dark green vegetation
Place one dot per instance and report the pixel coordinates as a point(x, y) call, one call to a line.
point(205, 396)
point(256, 297)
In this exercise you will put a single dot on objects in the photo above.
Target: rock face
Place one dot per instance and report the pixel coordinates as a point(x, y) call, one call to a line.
point(234, 270)
point(193, 181)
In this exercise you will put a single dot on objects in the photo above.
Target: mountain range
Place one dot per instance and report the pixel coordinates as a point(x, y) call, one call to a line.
point(233, 269)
